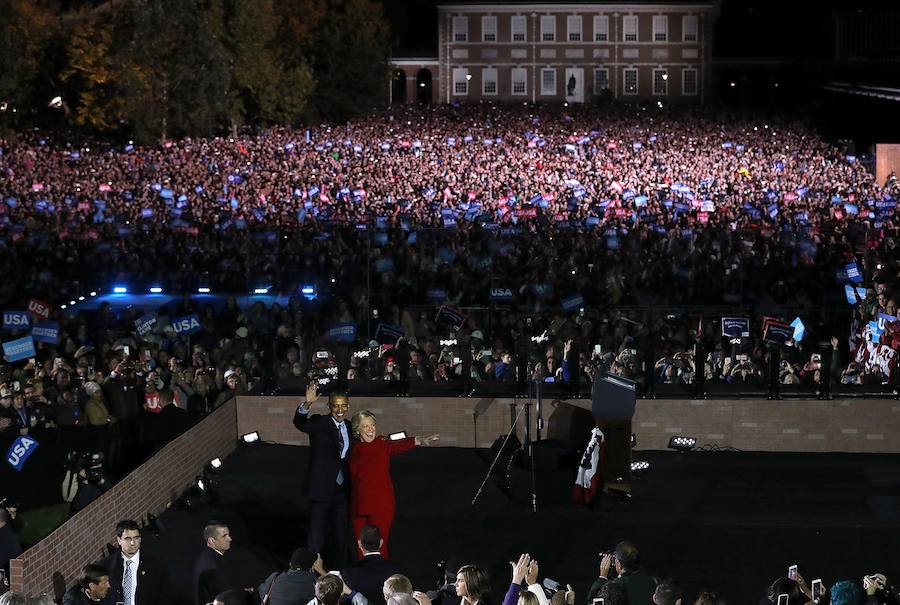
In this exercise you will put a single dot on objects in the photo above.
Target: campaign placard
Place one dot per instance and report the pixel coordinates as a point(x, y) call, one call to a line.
point(186, 325)
point(16, 320)
point(47, 331)
point(21, 348)
point(736, 327)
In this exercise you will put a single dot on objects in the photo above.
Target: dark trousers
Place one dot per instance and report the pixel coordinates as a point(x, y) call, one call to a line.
point(329, 522)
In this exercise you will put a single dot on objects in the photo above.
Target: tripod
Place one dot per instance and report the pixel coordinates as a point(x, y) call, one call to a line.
point(509, 449)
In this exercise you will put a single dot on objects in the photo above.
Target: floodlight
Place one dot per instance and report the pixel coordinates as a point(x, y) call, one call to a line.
point(156, 290)
point(639, 466)
point(203, 290)
point(120, 290)
point(93, 294)
point(214, 465)
point(81, 298)
point(682, 444)
point(263, 290)
point(250, 438)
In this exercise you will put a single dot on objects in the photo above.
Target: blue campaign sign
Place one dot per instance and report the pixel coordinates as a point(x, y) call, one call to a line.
point(572, 302)
point(20, 450)
point(342, 332)
point(145, 324)
point(21, 348)
point(501, 294)
point(735, 327)
point(47, 331)
point(187, 325)
point(15, 320)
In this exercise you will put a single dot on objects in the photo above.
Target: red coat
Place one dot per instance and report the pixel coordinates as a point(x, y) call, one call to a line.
point(370, 475)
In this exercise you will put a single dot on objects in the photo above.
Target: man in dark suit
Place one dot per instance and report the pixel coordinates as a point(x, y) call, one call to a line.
point(327, 480)
point(632, 577)
point(92, 588)
point(368, 575)
point(136, 577)
point(210, 578)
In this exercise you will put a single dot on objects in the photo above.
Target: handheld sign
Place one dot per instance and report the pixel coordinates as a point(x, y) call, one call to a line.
point(20, 450)
point(186, 325)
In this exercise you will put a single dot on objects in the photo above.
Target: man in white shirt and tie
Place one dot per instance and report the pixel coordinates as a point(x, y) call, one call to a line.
point(327, 481)
point(136, 577)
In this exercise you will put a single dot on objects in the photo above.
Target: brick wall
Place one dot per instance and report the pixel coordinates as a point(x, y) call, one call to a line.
point(150, 488)
point(887, 160)
point(843, 425)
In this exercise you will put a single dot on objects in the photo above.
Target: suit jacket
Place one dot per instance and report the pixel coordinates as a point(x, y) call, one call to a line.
point(637, 584)
point(368, 575)
point(209, 577)
point(324, 455)
point(153, 583)
point(76, 596)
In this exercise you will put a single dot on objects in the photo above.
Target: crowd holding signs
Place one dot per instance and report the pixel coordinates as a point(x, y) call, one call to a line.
point(535, 211)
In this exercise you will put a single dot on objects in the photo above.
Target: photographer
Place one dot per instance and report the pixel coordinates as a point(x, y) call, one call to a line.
point(84, 481)
point(625, 561)
point(9, 543)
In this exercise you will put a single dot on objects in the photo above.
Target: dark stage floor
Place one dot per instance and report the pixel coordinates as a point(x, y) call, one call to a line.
point(731, 522)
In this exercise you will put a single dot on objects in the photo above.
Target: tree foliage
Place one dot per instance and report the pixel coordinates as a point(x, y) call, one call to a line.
point(151, 69)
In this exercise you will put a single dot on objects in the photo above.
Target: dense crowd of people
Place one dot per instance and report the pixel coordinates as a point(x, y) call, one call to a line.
point(623, 207)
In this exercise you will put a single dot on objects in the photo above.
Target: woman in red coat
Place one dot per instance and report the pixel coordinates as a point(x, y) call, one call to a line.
point(372, 493)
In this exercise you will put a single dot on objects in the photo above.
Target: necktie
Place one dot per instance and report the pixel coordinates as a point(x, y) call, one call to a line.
point(340, 475)
point(127, 583)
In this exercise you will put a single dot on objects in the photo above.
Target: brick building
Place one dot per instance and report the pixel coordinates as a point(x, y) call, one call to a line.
point(573, 52)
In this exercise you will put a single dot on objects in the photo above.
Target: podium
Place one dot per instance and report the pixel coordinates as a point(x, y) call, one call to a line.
point(612, 402)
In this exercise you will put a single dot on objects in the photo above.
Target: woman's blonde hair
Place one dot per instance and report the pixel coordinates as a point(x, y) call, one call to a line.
point(357, 419)
point(526, 597)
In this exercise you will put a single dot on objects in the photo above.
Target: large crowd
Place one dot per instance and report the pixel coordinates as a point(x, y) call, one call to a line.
point(389, 217)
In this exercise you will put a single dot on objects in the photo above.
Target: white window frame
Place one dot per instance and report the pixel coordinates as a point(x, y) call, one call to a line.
point(637, 81)
point(630, 28)
point(489, 28)
point(660, 28)
point(598, 71)
point(690, 28)
point(461, 29)
point(460, 77)
point(601, 28)
point(546, 90)
point(573, 28)
point(548, 28)
point(489, 74)
point(684, 91)
point(519, 75)
point(665, 82)
point(518, 26)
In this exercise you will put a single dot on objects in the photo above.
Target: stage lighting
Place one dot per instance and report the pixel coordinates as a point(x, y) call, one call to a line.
point(214, 465)
point(120, 290)
point(633, 441)
point(682, 444)
point(81, 298)
point(155, 290)
point(263, 290)
point(63, 306)
point(201, 486)
point(203, 290)
point(250, 438)
point(72, 303)
point(93, 294)
point(639, 466)
point(307, 290)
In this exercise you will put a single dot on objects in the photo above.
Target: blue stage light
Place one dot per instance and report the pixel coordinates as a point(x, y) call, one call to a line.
point(120, 290)
point(156, 290)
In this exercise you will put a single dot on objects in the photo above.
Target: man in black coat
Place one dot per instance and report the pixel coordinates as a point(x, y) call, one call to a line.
point(297, 585)
point(209, 575)
point(367, 576)
point(91, 589)
point(327, 482)
point(632, 577)
point(136, 577)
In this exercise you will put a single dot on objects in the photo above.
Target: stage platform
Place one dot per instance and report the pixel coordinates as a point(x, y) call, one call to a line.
point(727, 521)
